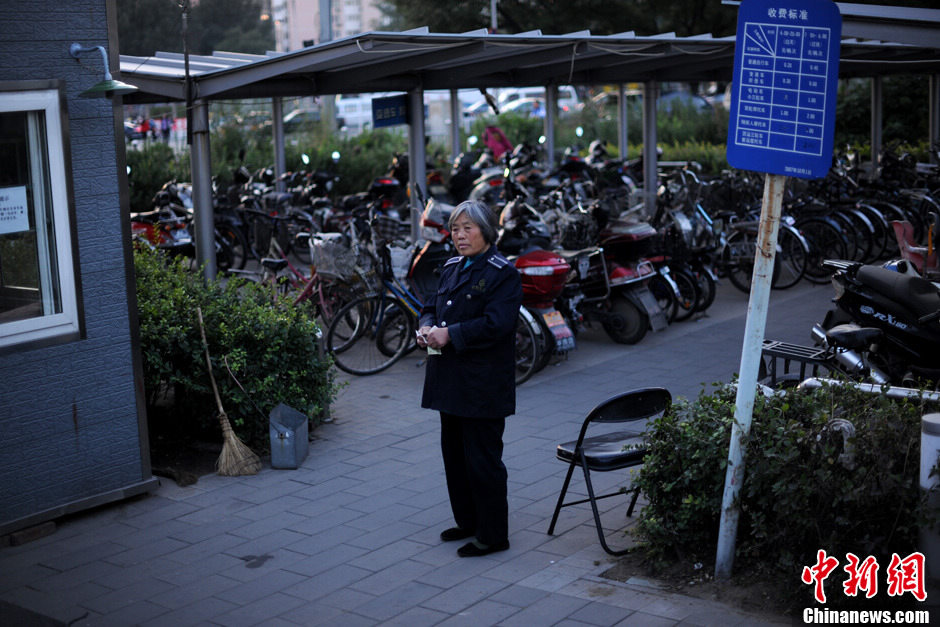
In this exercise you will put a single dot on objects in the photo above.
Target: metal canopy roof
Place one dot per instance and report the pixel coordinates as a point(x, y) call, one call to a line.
point(389, 61)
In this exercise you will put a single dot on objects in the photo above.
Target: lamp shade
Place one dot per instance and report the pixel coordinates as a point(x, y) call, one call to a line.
point(107, 87)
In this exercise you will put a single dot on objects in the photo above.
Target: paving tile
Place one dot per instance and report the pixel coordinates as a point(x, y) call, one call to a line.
point(545, 611)
point(389, 555)
point(457, 599)
point(600, 614)
point(261, 612)
point(268, 584)
point(194, 593)
point(133, 594)
point(324, 583)
point(146, 552)
point(200, 613)
point(133, 614)
point(640, 619)
point(416, 617)
point(483, 613)
point(67, 605)
point(396, 602)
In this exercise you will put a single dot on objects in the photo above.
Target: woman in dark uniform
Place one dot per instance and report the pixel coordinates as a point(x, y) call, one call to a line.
point(468, 328)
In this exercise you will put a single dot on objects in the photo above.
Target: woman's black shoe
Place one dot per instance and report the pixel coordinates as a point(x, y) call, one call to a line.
point(472, 549)
point(455, 533)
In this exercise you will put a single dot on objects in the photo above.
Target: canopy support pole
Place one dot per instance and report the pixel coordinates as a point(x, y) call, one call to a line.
point(650, 158)
point(202, 190)
point(417, 157)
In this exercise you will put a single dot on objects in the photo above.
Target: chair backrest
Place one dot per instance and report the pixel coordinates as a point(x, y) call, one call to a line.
point(632, 405)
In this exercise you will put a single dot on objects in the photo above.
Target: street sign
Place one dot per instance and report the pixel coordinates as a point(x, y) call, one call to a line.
point(786, 68)
point(389, 111)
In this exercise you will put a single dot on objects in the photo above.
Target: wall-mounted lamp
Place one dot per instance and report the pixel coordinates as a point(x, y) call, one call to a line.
point(108, 87)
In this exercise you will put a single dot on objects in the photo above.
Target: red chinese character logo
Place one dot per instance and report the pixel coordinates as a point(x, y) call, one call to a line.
point(907, 575)
point(818, 573)
point(862, 576)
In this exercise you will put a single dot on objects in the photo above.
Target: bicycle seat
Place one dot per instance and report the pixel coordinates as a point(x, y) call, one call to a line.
point(274, 265)
point(853, 336)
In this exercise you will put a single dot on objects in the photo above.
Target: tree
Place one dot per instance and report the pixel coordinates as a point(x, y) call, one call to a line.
point(146, 26)
point(601, 17)
point(553, 17)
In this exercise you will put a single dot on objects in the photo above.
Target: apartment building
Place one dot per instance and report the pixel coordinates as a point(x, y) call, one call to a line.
point(298, 21)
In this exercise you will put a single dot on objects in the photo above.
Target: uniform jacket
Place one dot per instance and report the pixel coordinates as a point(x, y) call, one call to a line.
point(474, 376)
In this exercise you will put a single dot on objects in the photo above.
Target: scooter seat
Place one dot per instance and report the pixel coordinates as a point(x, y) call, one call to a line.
point(570, 255)
point(853, 336)
point(274, 265)
point(919, 295)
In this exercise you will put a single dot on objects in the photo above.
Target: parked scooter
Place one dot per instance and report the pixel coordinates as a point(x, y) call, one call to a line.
point(886, 325)
point(525, 240)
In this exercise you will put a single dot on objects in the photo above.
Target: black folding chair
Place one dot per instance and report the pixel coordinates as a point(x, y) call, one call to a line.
point(611, 451)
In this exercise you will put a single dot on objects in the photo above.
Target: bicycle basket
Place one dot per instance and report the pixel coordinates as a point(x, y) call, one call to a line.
point(330, 255)
point(385, 228)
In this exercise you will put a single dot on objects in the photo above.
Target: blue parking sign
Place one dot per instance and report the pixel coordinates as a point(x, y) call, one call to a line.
point(783, 103)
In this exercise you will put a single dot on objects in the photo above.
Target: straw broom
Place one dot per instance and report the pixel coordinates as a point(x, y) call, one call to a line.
point(236, 459)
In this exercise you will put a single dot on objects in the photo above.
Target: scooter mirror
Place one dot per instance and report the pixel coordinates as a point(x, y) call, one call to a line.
point(472, 140)
point(541, 139)
point(305, 158)
point(335, 156)
point(579, 131)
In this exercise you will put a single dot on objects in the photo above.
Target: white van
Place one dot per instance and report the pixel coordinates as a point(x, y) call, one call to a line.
point(567, 97)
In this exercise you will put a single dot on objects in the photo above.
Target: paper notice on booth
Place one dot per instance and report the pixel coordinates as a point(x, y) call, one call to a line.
point(13, 214)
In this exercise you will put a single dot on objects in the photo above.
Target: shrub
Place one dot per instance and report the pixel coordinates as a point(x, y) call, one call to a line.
point(799, 494)
point(270, 347)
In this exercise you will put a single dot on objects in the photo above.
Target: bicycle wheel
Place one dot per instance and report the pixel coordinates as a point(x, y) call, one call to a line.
point(792, 251)
point(527, 347)
point(707, 287)
point(688, 292)
point(232, 248)
point(826, 241)
point(738, 258)
point(665, 295)
point(364, 330)
point(882, 230)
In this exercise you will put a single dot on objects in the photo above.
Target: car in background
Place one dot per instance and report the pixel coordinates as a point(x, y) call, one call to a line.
point(300, 120)
point(530, 107)
point(670, 101)
point(568, 100)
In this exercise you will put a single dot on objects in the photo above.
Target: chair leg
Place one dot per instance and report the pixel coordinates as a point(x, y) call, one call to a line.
point(561, 497)
point(636, 495)
point(597, 516)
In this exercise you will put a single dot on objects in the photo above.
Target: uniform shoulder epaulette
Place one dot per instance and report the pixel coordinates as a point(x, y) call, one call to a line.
point(452, 261)
point(498, 260)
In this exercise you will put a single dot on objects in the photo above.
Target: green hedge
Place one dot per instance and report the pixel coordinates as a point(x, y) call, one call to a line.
point(270, 347)
point(798, 495)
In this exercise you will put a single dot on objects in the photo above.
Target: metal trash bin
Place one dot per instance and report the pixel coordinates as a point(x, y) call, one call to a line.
point(288, 428)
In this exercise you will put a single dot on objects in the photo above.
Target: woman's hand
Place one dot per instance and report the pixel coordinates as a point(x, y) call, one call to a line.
point(437, 337)
point(422, 336)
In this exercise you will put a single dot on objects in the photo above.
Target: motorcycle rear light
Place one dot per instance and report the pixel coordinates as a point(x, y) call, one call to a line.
point(538, 270)
point(495, 182)
point(385, 181)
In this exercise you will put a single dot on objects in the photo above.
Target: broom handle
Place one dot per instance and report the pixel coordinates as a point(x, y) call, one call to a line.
point(205, 345)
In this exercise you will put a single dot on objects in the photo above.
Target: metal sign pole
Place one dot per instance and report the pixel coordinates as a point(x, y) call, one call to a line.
point(747, 374)
point(786, 68)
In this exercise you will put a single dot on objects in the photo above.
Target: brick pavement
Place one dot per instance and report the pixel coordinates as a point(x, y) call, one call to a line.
point(351, 537)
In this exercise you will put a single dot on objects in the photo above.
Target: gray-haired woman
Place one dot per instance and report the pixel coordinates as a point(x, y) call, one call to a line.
point(471, 321)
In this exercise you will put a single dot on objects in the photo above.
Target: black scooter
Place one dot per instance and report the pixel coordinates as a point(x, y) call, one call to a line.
point(886, 325)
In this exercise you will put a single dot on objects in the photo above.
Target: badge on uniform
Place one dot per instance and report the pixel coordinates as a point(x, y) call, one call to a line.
point(480, 286)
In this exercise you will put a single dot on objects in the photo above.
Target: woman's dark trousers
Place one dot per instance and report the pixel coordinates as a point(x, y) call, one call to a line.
point(476, 477)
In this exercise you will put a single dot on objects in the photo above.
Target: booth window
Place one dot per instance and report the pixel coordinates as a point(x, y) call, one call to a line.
point(38, 300)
